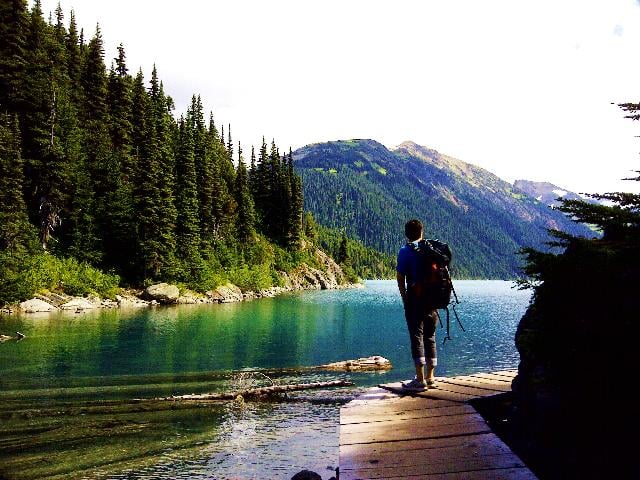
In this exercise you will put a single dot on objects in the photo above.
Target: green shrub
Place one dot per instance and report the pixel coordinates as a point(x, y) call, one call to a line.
point(207, 275)
point(252, 278)
point(349, 273)
point(23, 276)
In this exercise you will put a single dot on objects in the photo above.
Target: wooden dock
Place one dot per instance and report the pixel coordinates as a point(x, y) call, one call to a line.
point(436, 434)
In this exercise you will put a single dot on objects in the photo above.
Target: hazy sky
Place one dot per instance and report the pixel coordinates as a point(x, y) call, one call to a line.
point(521, 88)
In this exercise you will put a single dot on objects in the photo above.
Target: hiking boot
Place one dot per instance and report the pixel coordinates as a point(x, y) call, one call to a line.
point(415, 385)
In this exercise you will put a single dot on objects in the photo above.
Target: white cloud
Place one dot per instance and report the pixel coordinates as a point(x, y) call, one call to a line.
point(501, 84)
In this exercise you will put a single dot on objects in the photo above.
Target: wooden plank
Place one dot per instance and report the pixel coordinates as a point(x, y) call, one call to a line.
point(486, 385)
point(424, 423)
point(494, 382)
point(385, 454)
point(506, 373)
point(432, 393)
point(411, 430)
point(520, 473)
point(431, 434)
point(364, 416)
point(422, 466)
point(372, 395)
point(495, 378)
point(396, 402)
point(464, 389)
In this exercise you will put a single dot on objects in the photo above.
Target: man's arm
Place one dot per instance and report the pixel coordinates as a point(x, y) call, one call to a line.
point(402, 288)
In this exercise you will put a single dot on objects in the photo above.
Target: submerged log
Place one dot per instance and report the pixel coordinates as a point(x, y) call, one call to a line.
point(257, 392)
point(360, 364)
point(18, 336)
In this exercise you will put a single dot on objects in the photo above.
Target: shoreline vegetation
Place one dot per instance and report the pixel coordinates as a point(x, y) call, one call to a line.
point(329, 276)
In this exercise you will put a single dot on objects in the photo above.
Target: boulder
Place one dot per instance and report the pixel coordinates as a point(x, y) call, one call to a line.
point(35, 305)
point(78, 304)
point(226, 294)
point(306, 475)
point(163, 293)
point(130, 302)
point(55, 299)
point(189, 298)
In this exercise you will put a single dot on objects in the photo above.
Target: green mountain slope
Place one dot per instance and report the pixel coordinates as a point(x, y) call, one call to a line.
point(370, 191)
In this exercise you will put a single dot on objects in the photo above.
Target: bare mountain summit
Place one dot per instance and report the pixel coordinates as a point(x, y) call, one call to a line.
point(546, 192)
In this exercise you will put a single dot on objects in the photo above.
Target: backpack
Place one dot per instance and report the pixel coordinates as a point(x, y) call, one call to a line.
point(433, 287)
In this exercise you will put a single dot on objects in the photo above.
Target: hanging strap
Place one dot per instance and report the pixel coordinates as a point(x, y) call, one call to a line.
point(448, 336)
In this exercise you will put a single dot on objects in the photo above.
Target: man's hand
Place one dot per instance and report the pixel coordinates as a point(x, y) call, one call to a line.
point(402, 287)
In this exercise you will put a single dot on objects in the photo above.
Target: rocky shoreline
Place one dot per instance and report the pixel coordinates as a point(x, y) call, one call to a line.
point(303, 277)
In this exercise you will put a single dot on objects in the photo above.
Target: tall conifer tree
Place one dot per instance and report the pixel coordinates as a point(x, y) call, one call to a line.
point(245, 219)
point(13, 31)
point(146, 191)
point(119, 218)
point(296, 205)
point(203, 156)
point(165, 134)
point(16, 233)
point(188, 232)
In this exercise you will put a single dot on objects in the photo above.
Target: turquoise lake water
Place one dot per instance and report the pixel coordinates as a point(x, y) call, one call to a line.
point(79, 361)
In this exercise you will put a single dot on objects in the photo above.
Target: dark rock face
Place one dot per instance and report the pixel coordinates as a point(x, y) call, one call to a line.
point(571, 396)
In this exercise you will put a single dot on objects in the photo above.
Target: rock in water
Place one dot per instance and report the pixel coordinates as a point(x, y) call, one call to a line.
point(163, 293)
point(306, 475)
point(78, 304)
point(35, 305)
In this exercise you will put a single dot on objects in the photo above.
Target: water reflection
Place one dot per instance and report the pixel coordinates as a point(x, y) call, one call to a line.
point(67, 390)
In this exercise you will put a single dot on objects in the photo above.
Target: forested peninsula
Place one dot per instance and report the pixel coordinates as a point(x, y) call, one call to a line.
point(102, 186)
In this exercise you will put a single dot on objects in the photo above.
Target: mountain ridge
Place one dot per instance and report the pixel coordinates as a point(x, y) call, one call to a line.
point(370, 191)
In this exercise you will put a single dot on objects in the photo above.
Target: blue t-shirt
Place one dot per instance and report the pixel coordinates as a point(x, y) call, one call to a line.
point(408, 263)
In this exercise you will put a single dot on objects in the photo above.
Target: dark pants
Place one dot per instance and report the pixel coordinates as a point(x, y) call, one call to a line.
point(422, 332)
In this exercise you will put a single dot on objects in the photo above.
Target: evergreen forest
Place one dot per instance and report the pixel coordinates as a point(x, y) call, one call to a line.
point(104, 185)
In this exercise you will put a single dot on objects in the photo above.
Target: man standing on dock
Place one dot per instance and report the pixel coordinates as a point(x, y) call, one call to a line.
point(421, 322)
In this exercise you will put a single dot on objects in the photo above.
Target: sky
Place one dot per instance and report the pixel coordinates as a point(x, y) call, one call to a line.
point(526, 90)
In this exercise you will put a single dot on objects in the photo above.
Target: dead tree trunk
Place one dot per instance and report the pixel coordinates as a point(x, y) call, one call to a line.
point(257, 392)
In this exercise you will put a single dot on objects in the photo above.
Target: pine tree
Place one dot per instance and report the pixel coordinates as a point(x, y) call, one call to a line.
point(146, 191)
point(229, 145)
point(260, 186)
point(245, 219)
point(188, 231)
point(310, 227)
point(343, 254)
point(35, 114)
point(203, 157)
point(74, 59)
point(119, 219)
point(165, 131)
point(13, 28)
point(96, 142)
point(16, 233)
point(48, 139)
point(223, 205)
point(296, 206)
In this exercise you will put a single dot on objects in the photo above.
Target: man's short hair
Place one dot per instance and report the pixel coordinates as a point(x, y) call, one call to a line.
point(413, 229)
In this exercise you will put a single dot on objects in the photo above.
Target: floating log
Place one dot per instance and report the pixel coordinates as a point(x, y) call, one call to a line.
point(257, 392)
point(18, 336)
point(360, 364)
